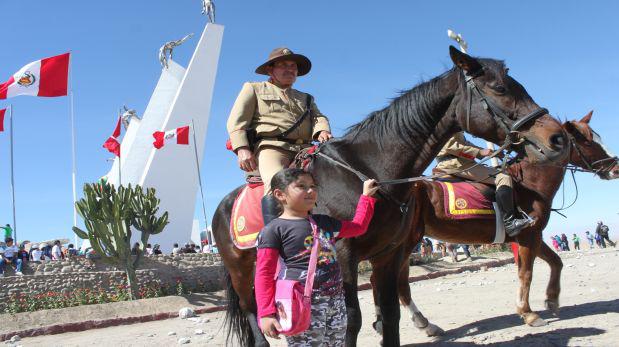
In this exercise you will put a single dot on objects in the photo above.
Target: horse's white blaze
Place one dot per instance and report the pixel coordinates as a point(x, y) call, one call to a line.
point(597, 139)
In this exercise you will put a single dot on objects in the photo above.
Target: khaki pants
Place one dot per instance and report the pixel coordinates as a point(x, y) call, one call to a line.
point(484, 174)
point(270, 161)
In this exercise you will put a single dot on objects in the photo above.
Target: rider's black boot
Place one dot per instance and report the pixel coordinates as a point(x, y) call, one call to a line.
point(270, 208)
point(505, 199)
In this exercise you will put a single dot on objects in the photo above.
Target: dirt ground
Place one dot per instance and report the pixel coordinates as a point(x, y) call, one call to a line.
point(472, 308)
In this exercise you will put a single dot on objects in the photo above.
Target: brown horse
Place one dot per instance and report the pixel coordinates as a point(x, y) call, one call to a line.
point(400, 140)
point(535, 190)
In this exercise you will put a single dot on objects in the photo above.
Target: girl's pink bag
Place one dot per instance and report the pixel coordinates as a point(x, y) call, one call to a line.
point(293, 301)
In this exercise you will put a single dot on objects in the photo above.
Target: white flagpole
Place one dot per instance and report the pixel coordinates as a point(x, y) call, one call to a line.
point(463, 48)
point(120, 149)
point(73, 165)
point(195, 150)
point(12, 175)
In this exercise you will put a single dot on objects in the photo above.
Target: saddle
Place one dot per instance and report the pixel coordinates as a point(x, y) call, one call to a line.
point(463, 199)
point(246, 218)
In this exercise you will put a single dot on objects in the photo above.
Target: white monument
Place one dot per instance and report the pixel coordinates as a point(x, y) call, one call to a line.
point(181, 96)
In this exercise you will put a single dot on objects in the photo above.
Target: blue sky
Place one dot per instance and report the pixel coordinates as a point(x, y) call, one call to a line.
point(564, 52)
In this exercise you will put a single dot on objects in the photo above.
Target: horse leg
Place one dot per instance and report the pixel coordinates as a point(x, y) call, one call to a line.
point(526, 258)
point(349, 265)
point(554, 283)
point(420, 322)
point(387, 290)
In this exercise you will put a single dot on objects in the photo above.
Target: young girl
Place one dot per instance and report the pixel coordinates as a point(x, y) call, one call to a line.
point(290, 237)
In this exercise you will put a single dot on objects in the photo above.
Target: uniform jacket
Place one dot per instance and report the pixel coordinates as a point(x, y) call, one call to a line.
point(457, 153)
point(271, 111)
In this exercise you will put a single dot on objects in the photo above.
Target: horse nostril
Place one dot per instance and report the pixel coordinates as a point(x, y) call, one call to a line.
point(557, 141)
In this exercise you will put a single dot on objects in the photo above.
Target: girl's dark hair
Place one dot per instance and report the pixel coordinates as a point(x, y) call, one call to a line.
point(285, 177)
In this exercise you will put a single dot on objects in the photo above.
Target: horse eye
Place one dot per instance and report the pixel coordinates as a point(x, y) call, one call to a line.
point(499, 89)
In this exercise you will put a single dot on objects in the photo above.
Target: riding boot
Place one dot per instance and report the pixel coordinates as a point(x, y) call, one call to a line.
point(270, 208)
point(505, 200)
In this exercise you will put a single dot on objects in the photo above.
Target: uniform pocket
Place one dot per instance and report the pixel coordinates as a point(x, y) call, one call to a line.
point(270, 103)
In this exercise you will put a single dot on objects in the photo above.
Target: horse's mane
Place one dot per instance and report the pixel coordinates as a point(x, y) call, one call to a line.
point(411, 115)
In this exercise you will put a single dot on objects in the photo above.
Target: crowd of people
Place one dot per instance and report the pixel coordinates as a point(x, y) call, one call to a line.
point(17, 256)
point(599, 239)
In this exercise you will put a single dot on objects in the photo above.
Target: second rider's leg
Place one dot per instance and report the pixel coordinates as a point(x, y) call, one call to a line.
point(270, 161)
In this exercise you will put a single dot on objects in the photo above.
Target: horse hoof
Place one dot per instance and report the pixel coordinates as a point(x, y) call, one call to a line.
point(533, 320)
point(433, 330)
point(552, 306)
point(420, 321)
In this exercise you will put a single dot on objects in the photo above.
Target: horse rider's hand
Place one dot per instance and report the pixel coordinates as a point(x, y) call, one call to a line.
point(270, 326)
point(484, 152)
point(246, 159)
point(324, 136)
point(370, 187)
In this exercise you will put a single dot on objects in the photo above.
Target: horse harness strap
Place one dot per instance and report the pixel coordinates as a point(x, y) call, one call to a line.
point(494, 110)
point(403, 206)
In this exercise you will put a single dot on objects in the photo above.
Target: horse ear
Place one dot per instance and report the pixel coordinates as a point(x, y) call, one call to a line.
point(587, 118)
point(463, 60)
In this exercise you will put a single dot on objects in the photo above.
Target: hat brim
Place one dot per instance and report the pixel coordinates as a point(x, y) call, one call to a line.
point(304, 65)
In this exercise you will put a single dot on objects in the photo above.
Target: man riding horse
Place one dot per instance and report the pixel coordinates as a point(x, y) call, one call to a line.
point(271, 122)
point(457, 158)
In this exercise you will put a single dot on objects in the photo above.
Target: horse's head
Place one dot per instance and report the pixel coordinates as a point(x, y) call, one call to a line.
point(588, 151)
point(492, 105)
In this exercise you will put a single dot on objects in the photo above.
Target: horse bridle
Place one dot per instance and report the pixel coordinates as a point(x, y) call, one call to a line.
point(590, 166)
point(513, 136)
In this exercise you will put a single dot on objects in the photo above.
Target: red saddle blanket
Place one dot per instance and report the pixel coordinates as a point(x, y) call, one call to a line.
point(463, 201)
point(247, 221)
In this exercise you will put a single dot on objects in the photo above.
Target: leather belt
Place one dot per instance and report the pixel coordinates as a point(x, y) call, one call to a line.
point(290, 141)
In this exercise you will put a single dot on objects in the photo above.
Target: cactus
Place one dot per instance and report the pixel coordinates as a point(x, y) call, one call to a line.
point(109, 216)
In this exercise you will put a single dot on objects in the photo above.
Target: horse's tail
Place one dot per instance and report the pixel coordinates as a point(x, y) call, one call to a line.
point(236, 322)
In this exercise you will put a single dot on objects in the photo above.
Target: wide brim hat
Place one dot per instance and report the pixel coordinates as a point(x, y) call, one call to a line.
point(304, 65)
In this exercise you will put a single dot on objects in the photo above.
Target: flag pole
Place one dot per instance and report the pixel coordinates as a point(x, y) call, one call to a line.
point(73, 166)
point(12, 175)
point(195, 151)
point(120, 151)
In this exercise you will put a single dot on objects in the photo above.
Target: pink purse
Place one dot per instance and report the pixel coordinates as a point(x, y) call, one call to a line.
point(293, 301)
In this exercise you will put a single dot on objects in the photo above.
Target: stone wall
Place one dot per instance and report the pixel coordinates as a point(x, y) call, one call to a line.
point(201, 272)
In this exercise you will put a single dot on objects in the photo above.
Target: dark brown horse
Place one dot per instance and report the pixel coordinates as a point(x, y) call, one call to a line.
point(400, 140)
point(535, 189)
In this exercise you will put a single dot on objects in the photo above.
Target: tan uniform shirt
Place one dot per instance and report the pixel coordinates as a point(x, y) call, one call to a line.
point(457, 153)
point(272, 110)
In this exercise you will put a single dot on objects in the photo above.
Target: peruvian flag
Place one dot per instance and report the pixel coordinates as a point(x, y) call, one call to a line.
point(112, 143)
point(46, 77)
point(180, 134)
point(2, 113)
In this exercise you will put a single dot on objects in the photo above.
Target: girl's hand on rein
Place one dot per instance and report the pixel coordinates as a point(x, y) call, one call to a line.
point(270, 327)
point(370, 187)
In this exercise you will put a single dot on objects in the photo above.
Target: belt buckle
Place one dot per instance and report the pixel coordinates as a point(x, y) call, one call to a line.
point(299, 142)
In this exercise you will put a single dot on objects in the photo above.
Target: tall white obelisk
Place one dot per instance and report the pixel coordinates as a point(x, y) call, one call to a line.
point(171, 170)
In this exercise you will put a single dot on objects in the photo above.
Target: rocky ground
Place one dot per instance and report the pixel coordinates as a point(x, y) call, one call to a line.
point(472, 307)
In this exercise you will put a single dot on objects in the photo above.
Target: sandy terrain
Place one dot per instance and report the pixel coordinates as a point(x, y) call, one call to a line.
point(473, 308)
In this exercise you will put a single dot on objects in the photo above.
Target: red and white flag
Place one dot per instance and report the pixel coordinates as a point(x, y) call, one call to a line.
point(46, 77)
point(112, 143)
point(2, 113)
point(180, 134)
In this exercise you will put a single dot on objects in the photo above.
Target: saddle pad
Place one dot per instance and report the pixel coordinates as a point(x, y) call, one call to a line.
point(246, 221)
point(463, 201)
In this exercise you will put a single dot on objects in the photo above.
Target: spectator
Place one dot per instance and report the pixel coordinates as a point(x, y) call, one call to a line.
point(188, 248)
point(602, 230)
point(214, 248)
point(149, 249)
point(22, 254)
point(156, 249)
point(8, 255)
point(590, 238)
point(56, 251)
point(206, 247)
point(47, 250)
point(36, 254)
point(598, 241)
point(576, 241)
point(135, 250)
point(70, 251)
point(555, 243)
point(564, 244)
point(8, 231)
point(175, 249)
point(91, 255)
